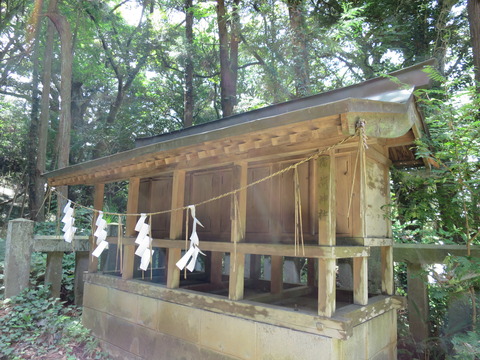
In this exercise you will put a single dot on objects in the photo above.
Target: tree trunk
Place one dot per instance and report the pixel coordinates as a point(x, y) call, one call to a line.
point(65, 123)
point(473, 8)
point(34, 126)
point(43, 126)
point(299, 47)
point(188, 95)
point(228, 55)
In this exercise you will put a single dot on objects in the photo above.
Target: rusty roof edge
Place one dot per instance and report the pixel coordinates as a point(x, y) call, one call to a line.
point(413, 77)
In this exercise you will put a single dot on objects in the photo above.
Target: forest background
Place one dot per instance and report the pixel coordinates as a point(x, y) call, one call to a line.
point(83, 79)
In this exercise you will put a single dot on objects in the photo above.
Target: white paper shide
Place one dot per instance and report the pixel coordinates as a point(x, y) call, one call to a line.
point(68, 229)
point(143, 240)
point(190, 258)
point(101, 235)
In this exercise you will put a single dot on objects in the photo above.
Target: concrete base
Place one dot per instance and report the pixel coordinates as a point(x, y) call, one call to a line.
point(139, 325)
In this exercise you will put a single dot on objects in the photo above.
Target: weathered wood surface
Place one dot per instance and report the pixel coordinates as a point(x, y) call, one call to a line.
point(430, 253)
point(317, 251)
point(176, 226)
point(238, 214)
point(132, 208)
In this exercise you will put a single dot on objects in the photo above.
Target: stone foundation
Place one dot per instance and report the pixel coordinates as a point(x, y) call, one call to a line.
point(136, 320)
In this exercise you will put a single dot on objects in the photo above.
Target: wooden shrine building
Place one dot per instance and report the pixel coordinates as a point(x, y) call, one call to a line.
point(260, 292)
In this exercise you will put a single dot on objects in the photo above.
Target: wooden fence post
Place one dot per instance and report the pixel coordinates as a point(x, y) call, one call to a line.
point(17, 256)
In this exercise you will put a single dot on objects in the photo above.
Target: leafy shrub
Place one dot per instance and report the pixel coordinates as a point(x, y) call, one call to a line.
point(32, 320)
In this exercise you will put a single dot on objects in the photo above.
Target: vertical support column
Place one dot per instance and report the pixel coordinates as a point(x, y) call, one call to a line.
point(132, 208)
point(237, 259)
point(276, 274)
point(417, 302)
point(53, 272)
point(18, 249)
point(176, 227)
point(388, 285)
point(216, 267)
point(98, 196)
point(276, 261)
point(360, 280)
point(387, 270)
point(360, 265)
point(326, 233)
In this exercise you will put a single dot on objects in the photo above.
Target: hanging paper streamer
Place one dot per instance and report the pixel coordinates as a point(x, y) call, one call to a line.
point(68, 220)
point(144, 242)
point(191, 255)
point(101, 235)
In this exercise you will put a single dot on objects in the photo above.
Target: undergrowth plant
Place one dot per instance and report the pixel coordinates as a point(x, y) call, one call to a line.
point(33, 320)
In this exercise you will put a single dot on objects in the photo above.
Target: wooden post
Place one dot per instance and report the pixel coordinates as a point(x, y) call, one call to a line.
point(132, 208)
point(360, 280)
point(98, 196)
point(216, 267)
point(388, 286)
point(18, 249)
point(237, 259)
point(53, 272)
point(176, 227)
point(360, 265)
point(417, 301)
point(326, 233)
point(276, 261)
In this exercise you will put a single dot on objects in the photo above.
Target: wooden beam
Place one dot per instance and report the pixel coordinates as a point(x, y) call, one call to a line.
point(430, 253)
point(314, 251)
point(176, 228)
point(132, 208)
point(237, 233)
point(98, 196)
point(216, 259)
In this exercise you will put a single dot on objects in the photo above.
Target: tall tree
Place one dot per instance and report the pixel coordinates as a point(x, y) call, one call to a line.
point(473, 8)
point(300, 55)
point(189, 91)
point(228, 33)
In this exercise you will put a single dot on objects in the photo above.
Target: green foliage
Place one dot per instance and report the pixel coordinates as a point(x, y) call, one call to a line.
point(32, 319)
point(467, 345)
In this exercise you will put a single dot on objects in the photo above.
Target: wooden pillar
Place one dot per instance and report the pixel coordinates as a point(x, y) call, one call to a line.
point(18, 248)
point(417, 301)
point(326, 233)
point(276, 274)
point(176, 227)
point(388, 286)
point(216, 259)
point(98, 196)
point(360, 264)
point(276, 261)
point(360, 280)
point(132, 208)
point(237, 259)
